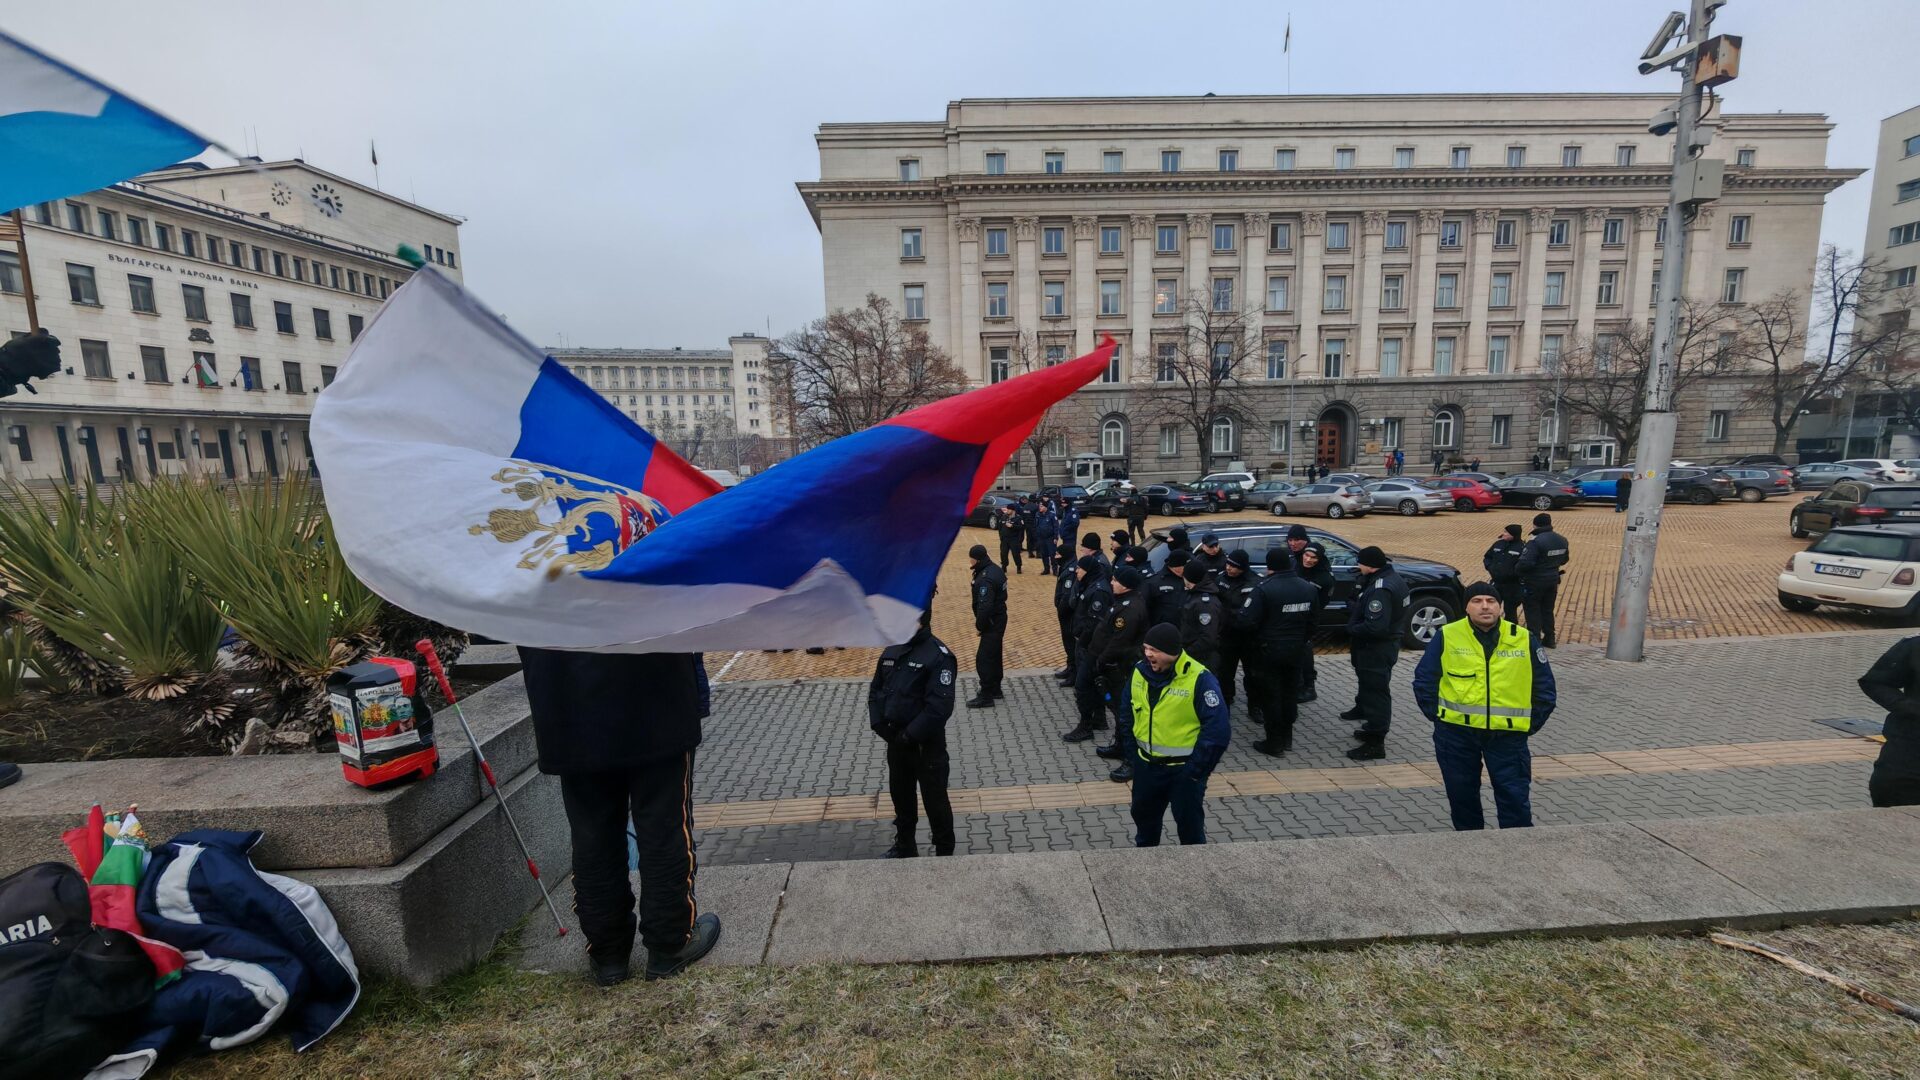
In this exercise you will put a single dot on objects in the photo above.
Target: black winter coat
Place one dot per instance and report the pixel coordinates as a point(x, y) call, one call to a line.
point(1502, 561)
point(989, 597)
point(1117, 638)
point(1166, 595)
point(604, 712)
point(911, 696)
point(1090, 608)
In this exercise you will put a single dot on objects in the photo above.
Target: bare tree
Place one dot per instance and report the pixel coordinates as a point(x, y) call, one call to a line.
point(857, 367)
point(1605, 376)
point(1202, 372)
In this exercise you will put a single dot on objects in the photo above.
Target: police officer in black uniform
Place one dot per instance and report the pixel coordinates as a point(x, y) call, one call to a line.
point(1137, 522)
point(1066, 590)
point(990, 619)
point(1013, 533)
point(1089, 614)
point(1167, 591)
point(1893, 682)
point(1297, 544)
point(1502, 561)
point(1211, 557)
point(908, 704)
point(1177, 539)
point(1539, 566)
point(1203, 618)
point(1236, 643)
point(1373, 634)
point(1029, 512)
point(1115, 648)
point(1121, 541)
point(1278, 617)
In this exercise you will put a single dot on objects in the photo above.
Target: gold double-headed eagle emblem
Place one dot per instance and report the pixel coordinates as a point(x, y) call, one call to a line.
point(554, 545)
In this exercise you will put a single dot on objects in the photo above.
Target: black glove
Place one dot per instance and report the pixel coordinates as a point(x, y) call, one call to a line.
point(35, 356)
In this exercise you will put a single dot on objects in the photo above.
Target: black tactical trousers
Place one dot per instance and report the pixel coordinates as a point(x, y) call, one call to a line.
point(658, 798)
point(921, 767)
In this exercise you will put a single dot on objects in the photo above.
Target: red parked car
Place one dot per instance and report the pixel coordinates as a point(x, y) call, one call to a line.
point(1467, 494)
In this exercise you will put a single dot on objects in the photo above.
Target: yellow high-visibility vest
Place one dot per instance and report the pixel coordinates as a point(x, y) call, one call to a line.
point(1169, 727)
point(1479, 690)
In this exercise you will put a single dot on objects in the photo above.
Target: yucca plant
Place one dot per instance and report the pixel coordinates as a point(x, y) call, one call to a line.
point(16, 655)
point(34, 528)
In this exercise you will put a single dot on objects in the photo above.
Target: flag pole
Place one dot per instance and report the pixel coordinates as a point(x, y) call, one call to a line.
point(26, 270)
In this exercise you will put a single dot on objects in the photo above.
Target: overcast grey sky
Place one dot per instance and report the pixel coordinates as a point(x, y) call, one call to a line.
point(627, 170)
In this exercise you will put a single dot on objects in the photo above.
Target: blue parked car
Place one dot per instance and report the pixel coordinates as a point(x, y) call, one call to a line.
point(1600, 483)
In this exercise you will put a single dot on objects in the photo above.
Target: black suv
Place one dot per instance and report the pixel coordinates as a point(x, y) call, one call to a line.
point(1438, 596)
point(1699, 486)
point(1074, 494)
point(1855, 502)
point(1226, 494)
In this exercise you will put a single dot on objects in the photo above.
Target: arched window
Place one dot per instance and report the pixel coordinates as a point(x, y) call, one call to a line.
point(1446, 428)
point(1113, 438)
point(1223, 435)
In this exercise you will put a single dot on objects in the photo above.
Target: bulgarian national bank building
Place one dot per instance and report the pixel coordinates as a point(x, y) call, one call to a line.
point(1413, 264)
point(200, 312)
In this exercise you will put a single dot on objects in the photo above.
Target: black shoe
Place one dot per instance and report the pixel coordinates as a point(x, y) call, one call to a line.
point(1111, 751)
point(1078, 734)
point(942, 852)
point(1362, 734)
point(999, 695)
point(1063, 673)
point(1306, 696)
point(1549, 644)
point(609, 972)
point(1371, 750)
point(980, 701)
point(706, 933)
point(901, 851)
point(1350, 714)
point(1266, 746)
point(8, 773)
point(1121, 773)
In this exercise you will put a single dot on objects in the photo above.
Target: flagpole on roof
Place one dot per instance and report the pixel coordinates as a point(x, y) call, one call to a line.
point(1286, 47)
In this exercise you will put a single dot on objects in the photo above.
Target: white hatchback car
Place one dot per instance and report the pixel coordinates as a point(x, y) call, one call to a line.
point(1244, 479)
point(1869, 568)
point(1900, 472)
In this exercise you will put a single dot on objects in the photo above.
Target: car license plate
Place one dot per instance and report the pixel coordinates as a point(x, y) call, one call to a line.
point(1837, 571)
point(1906, 513)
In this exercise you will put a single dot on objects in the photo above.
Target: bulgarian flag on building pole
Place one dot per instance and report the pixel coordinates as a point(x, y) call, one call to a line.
point(203, 369)
point(111, 852)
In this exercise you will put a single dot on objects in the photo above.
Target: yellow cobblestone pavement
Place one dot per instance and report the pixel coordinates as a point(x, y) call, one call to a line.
point(1715, 578)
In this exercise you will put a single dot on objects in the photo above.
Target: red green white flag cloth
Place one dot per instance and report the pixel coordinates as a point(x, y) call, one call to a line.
point(111, 852)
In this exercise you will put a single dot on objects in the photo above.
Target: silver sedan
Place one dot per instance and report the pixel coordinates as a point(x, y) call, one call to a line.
point(1333, 500)
point(1409, 498)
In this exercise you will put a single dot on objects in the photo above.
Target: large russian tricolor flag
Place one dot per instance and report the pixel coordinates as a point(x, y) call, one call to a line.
point(473, 480)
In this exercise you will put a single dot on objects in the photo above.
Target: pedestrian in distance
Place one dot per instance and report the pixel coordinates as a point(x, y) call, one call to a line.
point(1622, 490)
point(1012, 537)
point(1399, 461)
point(1486, 686)
point(620, 730)
point(1137, 518)
point(1386, 462)
point(1474, 465)
point(1179, 730)
point(1091, 603)
point(1046, 534)
point(1893, 682)
point(1373, 636)
point(1540, 567)
point(1279, 618)
point(1502, 563)
point(909, 703)
point(989, 598)
point(1115, 646)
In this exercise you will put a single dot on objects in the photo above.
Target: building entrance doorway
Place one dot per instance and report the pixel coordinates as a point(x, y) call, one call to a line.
point(1331, 443)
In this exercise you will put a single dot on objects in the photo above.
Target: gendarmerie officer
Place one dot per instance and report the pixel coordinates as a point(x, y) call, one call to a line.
point(1502, 561)
point(989, 598)
point(1121, 541)
point(908, 704)
point(1210, 556)
point(1278, 617)
point(1090, 605)
point(1893, 682)
point(1540, 569)
point(1297, 541)
point(1314, 569)
point(1013, 531)
point(1137, 518)
point(1029, 510)
point(1044, 535)
point(1167, 591)
point(1116, 648)
point(1177, 539)
point(1202, 617)
point(1066, 590)
point(1373, 637)
point(1236, 587)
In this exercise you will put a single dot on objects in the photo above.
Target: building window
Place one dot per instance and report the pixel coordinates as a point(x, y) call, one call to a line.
point(1740, 228)
point(910, 244)
point(80, 285)
point(195, 299)
point(1053, 163)
point(1623, 156)
point(1110, 298)
point(1896, 236)
point(1516, 156)
point(996, 299)
point(1443, 356)
point(999, 366)
point(1550, 353)
point(94, 362)
point(1109, 239)
point(236, 253)
point(1113, 438)
point(1277, 293)
point(17, 435)
point(909, 169)
point(153, 363)
point(1335, 296)
point(1112, 161)
point(1167, 239)
point(1449, 234)
point(279, 265)
point(354, 325)
point(1053, 298)
point(1908, 190)
point(1337, 236)
point(1276, 359)
point(1222, 237)
point(1557, 230)
point(1280, 236)
point(1223, 435)
point(9, 272)
point(333, 276)
point(996, 243)
point(1460, 157)
point(1053, 240)
point(1549, 428)
point(1403, 157)
point(1445, 429)
point(283, 316)
point(1055, 354)
point(250, 374)
point(1653, 290)
point(323, 329)
point(1501, 294)
point(1343, 158)
point(1223, 360)
point(1333, 359)
point(1609, 288)
point(290, 373)
point(1569, 157)
point(190, 244)
point(1283, 160)
point(1112, 374)
point(106, 225)
point(1497, 354)
point(1555, 294)
point(1277, 436)
point(259, 260)
point(140, 290)
point(996, 164)
point(1393, 289)
point(1733, 289)
point(1603, 352)
point(1223, 294)
point(1501, 431)
point(1901, 278)
point(1169, 161)
point(76, 218)
point(1169, 440)
point(913, 304)
point(242, 310)
point(1503, 233)
point(1167, 356)
point(1229, 160)
point(1446, 291)
point(1390, 357)
point(136, 231)
point(1613, 232)
point(1717, 425)
point(1745, 157)
point(1166, 296)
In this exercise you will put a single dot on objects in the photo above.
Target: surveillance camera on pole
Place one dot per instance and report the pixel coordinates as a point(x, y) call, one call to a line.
point(1675, 22)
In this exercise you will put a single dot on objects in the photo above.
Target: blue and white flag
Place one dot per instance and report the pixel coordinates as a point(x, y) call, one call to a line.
point(473, 480)
point(63, 132)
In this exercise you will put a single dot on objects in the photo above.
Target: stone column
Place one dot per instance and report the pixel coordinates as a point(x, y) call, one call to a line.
point(1587, 300)
point(1646, 221)
point(1309, 290)
point(1480, 276)
point(948, 336)
point(1086, 290)
point(1253, 280)
point(1026, 274)
point(1539, 218)
point(1373, 224)
point(966, 333)
point(1140, 309)
point(1703, 269)
point(1420, 360)
point(1199, 249)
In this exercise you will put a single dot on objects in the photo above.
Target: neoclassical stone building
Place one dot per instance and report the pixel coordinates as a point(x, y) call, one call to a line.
point(1411, 266)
